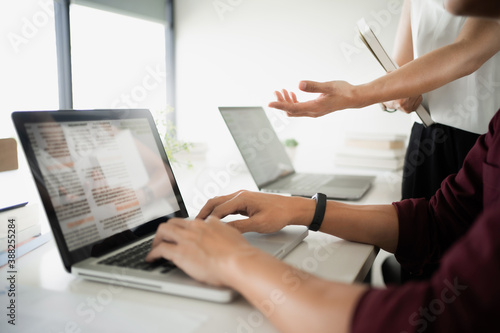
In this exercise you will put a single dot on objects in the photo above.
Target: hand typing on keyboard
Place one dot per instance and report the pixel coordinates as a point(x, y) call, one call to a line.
point(204, 250)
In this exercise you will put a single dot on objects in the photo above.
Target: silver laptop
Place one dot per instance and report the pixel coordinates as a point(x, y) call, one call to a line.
point(270, 166)
point(106, 185)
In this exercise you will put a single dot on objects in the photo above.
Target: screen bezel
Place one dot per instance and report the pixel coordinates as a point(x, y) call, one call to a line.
point(69, 258)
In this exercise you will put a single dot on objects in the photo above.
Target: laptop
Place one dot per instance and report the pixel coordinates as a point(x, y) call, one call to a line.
point(106, 184)
point(270, 166)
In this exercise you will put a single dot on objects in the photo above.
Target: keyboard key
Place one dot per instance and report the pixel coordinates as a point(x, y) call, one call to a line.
point(134, 258)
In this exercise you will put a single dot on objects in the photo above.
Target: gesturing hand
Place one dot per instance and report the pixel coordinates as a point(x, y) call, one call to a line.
point(335, 95)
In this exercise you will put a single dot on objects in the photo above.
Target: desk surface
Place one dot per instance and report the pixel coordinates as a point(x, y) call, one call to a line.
point(51, 300)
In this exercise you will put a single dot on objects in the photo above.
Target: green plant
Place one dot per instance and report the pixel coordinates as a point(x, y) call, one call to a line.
point(168, 135)
point(290, 143)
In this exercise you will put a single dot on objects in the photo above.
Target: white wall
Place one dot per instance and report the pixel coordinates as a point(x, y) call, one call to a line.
point(237, 52)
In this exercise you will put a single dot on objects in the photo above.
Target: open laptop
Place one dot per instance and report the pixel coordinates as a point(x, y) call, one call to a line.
point(270, 166)
point(106, 184)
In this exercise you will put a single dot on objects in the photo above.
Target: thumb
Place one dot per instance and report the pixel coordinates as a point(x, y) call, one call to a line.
point(242, 226)
point(314, 87)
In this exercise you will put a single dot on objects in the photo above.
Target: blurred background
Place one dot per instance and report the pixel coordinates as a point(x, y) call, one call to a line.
point(227, 52)
point(216, 53)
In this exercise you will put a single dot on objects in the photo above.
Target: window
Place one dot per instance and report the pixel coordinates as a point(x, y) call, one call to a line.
point(118, 61)
point(28, 81)
point(121, 54)
point(28, 53)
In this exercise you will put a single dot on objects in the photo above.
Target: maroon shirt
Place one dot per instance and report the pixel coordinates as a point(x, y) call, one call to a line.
point(459, 227)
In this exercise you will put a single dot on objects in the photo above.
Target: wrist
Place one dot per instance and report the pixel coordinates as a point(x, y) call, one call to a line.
point(237, 266)
point(303, 212)
point(363, 95)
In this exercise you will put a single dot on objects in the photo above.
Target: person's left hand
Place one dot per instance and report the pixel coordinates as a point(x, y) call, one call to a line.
point(266, 212)
point(202, 249)
point(407, 105)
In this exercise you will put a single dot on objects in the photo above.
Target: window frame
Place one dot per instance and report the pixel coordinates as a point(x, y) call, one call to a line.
point(63, 47)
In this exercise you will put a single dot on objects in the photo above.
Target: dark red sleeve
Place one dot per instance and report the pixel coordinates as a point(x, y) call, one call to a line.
point(427, 229)
point(460, 227)
point(463, 296)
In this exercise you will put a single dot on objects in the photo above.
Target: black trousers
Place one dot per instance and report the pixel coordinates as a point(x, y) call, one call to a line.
point(433, 154)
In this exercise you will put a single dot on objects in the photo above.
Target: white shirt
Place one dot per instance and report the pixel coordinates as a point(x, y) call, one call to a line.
point(467, 103)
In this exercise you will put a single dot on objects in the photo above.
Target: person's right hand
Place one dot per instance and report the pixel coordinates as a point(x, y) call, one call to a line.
point(202, 249)
point(335, 95)
point(407, 105)
point(266, 213)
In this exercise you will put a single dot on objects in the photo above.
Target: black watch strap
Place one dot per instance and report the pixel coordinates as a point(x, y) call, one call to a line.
point(319, 213)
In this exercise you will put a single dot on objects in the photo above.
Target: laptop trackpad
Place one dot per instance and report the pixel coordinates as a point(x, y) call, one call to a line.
point(272, 248)
point(268, 243)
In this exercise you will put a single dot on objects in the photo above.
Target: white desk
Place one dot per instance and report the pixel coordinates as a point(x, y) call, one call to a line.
point(51, 300)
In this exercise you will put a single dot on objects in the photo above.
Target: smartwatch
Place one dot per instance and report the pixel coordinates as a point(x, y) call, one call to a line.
point(319, 213)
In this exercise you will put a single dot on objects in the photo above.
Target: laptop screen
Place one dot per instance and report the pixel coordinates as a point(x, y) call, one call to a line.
point(103, 176)
point(264, 154)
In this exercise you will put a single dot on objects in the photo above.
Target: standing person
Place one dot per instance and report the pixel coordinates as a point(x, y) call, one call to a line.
point(453, 61)
point(461, 109)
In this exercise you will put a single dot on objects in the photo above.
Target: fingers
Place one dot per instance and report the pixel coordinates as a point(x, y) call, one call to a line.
point(391, 106)
point(417, 102)
point(242, 226)
point(287, 96)
point(284, 96)
point(163, 250)
point(167, 232)
point(280, 106)
point(303, 109)
point(410, 104)
point(288, 102)
point(211, 220)
point(235, 205)
point(405, 108)
point(279, 97)
point(314, 87)
point(208, 209)
point(406, 105)
point(167, 235)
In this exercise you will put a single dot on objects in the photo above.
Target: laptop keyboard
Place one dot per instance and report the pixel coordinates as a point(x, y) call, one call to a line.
point(314, 181)
point(307, 183)
point(134, 258)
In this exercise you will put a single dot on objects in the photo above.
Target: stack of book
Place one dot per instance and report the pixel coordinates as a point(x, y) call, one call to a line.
point(378, 151)
point(28, 230)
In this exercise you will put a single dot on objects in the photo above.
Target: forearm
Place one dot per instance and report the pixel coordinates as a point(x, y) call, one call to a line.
point(371, 224)
point(293, 300)
point(477, 42)
point(441, 67)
